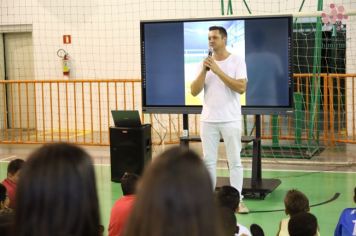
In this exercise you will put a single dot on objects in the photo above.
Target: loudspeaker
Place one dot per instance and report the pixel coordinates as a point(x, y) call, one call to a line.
point(130, 150)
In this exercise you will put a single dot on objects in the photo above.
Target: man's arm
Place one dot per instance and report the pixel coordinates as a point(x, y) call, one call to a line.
point(198, 84)
point(238, 85)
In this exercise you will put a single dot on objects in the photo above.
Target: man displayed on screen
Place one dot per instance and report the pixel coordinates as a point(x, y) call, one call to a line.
point(223, 77)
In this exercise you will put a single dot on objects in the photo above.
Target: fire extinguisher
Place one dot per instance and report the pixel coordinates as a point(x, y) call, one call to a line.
point(65, 61)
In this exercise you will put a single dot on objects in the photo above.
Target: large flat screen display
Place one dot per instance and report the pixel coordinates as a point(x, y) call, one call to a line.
point(172, 52)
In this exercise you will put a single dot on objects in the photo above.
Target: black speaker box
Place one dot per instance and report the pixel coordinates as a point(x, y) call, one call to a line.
point(130, 150)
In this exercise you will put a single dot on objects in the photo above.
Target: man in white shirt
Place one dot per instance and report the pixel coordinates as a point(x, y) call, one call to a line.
point(223, 77)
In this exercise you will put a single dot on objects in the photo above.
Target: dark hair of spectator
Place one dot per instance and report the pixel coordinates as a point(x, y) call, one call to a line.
point(175, 197)
point(57, 193)
point(2, 193)
point(221, 30)
point(295, 202)
point(303, 224)
point(128, 183)
point(14, 166)
point(228, 196)
point(228, 221)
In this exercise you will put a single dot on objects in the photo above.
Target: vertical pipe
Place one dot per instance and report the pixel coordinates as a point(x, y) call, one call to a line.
point(59, 112)
point(133, 95)
point(331, 110)
point(315, 90)
point(5, 111)
point(12, 111)
point(75, 112)
point(108, 107)
point(51, 107)
point(99, 95)
point(83, 111)
point(275, 130)
point(338, 105)
point(116, 101)
point(43, 113)
point(27, 113)
point(67, 112)
point(35, 101)
point(124, 95)
point(20, 109)
point(353, 110)
point(170, 127)
point(91, 113)
point(325, 108)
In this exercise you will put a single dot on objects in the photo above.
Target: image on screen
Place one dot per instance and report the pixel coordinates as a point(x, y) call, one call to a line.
point(196, 50)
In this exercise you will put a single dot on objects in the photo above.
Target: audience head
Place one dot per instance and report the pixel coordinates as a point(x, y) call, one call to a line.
point(303, 224)
point(228, 221)
point(14, 168)
point(295, 202)
point(228, 196)
point(175, 197)
point(128, 183)
point(57, 193)
point(4, 200)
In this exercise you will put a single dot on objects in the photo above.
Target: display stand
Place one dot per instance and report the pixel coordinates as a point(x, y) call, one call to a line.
point(254, 187)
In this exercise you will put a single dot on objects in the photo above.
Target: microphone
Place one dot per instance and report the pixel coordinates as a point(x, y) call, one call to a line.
point(210, 53)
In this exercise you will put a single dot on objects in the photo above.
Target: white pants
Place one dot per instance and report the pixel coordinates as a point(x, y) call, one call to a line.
point(210, 137)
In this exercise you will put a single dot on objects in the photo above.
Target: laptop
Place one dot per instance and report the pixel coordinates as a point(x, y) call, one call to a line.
point(126, 118)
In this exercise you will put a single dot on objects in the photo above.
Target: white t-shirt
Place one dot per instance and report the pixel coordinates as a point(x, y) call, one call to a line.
point(222, 104)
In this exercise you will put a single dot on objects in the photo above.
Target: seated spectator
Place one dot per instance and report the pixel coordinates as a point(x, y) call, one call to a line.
point(295, 202)
point(13, 173)
point(57, 193)
point(228, 196)
point(123, 206)
point(303, 224)
point(6, 213)
point(4, 201)
point(228, 221)
point(347, 221)
point(175, 198)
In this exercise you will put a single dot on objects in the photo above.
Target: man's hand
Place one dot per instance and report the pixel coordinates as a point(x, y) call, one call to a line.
point(209, 62)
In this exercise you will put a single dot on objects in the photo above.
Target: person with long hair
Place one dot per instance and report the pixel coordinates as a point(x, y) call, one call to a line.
point(57, 194)
point(175, 198)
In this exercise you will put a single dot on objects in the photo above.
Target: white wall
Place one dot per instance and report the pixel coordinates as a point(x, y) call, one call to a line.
point(105, 33)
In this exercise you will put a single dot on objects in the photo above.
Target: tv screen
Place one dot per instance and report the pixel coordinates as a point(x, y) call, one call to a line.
point(172, 52)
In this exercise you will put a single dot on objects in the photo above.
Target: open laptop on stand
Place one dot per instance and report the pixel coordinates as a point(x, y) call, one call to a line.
point(126, 118)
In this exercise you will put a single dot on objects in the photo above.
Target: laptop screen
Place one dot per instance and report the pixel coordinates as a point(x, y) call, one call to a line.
point(126, 118)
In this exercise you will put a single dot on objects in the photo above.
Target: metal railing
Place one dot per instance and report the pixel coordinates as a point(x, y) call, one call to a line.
point(78, 111)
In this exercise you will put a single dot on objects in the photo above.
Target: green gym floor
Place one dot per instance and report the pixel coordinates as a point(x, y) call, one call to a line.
point(320, 178)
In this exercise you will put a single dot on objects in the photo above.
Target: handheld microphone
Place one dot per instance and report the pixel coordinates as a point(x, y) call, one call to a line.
point(210, 53)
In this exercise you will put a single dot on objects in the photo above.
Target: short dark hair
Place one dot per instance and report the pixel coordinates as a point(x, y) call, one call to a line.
point(221, 30)
point(14, 166)
point(228, 221)
point(128, 183)
point(57, 193)
point(303, 224)
point(228, 196)
point(2, 193)
point(295, 202)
